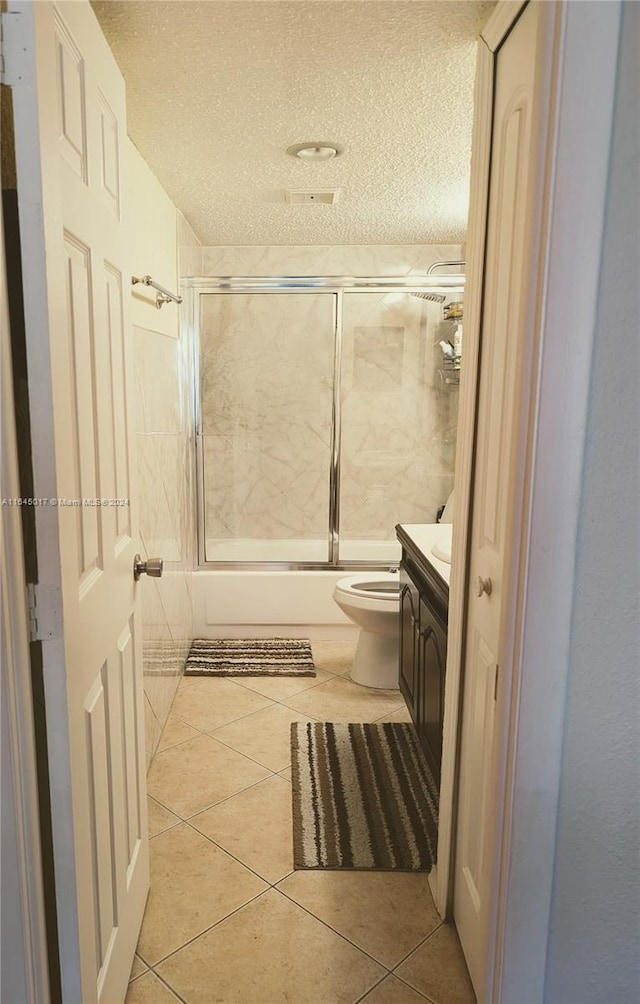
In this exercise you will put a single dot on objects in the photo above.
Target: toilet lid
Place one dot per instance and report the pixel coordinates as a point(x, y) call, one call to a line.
point(376, 587)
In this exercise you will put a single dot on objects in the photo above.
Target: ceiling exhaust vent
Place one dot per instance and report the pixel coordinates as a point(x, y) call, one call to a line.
point(298, 197)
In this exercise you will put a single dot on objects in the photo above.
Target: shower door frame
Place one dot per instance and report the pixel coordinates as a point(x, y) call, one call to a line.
point(193, 289)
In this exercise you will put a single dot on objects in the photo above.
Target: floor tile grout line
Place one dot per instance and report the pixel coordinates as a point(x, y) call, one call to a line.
point(416, 947)
point(371, 989)
point(280, 701)
point(231, 855)
point(304, 690)
point(272, 770)
point(406, 983)
point(274, 676)
point(184, 819)
point(339, 933)
point(253, 760)
point(215, 843)
point(419, 945)
point(168, 985)
point(233, 721)
point(385, 977)
point(132, 979)
point(233, 750)
point(200, 934)
point(172, 826)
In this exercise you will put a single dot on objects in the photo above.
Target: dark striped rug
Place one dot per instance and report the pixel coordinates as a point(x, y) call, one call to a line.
point(250, 657)
point(363, 798)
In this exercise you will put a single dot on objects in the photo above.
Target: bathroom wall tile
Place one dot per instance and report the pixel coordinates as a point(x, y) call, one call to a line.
point(159, 382)
point(152, 729)
point(191, 258)
point(218, 261)
point(189, 249)
point(163, 443)
point(264, 260)
point(350, 259)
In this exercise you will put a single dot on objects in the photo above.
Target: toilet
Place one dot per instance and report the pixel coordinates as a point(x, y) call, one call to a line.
point(371, 600)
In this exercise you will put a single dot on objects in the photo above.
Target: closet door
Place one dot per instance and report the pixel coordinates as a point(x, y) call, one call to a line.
point(503, 338)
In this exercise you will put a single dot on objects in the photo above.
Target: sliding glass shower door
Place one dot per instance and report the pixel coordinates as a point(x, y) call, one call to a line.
point(326, 414)
point(266, 371)
point(398, 418)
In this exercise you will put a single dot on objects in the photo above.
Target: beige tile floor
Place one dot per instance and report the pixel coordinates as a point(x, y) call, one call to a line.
point(228, 921)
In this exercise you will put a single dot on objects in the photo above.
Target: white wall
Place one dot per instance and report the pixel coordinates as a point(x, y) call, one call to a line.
point(163, 437)
point(594, 953)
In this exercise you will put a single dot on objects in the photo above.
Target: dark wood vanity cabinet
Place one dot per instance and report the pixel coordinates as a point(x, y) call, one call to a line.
point(424, 600)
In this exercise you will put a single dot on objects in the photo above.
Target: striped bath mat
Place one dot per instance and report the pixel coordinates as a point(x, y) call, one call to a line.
point(250, 657)
point(363, 798)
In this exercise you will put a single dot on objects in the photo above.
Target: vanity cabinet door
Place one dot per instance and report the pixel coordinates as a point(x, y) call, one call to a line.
point(432, 659)
point(409, 612)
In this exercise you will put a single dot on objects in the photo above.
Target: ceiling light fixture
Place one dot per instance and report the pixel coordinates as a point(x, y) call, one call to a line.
point(315, 151)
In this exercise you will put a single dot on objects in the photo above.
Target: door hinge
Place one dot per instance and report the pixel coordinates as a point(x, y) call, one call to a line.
point(45, 612)
point(13, 48)
point(32, 608)
point(495, 684)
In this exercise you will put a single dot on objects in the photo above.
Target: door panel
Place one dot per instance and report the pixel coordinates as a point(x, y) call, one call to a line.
point(409, 607)
point(70, 133)
point(431, 673)
point(503, 335)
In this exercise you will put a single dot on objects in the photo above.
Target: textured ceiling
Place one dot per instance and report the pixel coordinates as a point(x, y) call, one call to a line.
point(218, 90)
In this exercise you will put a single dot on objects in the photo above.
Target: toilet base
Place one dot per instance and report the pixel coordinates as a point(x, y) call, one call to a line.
point(376, 661)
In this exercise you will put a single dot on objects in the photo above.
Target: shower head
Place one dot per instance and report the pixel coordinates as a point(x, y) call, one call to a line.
point(433, 297)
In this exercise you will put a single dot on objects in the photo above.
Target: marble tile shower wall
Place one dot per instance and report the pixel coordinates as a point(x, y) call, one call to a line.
point(353, 259)
point(398, 416)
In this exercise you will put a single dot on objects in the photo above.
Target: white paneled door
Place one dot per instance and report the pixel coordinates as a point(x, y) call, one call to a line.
point(504, 326)
point(69, 110)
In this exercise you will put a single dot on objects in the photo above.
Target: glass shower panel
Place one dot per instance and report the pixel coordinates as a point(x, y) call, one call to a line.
point(399, 414)
point(266, 401)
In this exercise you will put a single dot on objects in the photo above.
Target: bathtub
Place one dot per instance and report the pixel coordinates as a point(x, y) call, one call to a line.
point(249, 603)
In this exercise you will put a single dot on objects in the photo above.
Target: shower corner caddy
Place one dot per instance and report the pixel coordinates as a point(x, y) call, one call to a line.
point(450, 370)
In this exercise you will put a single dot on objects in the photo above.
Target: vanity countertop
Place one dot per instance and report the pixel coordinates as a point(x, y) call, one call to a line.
point(424, 536)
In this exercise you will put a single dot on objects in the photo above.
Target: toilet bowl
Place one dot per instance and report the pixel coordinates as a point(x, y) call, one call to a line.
point(371, 600)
